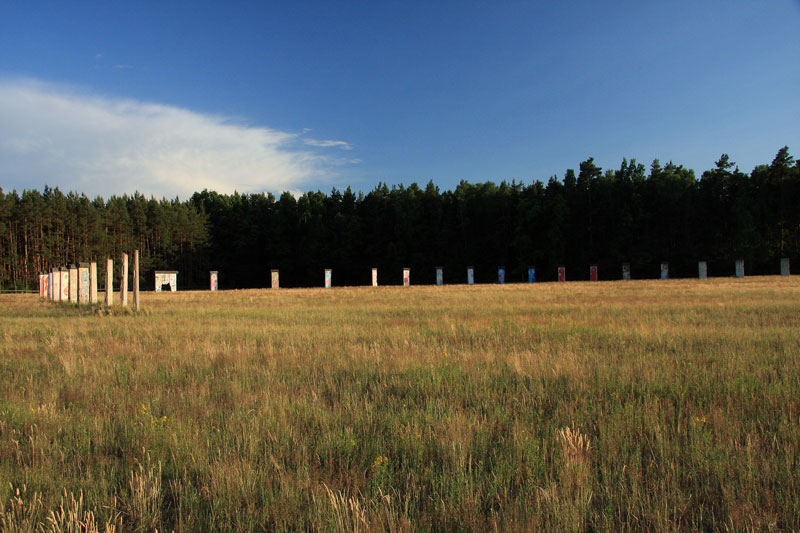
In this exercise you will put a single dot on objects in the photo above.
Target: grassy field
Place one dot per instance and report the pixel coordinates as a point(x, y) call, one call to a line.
point(642, 405)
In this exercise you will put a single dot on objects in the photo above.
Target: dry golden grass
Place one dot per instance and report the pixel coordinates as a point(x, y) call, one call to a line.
point(622, 405)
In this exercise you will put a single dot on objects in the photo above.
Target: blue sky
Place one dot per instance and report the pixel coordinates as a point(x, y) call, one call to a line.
point(172, 97)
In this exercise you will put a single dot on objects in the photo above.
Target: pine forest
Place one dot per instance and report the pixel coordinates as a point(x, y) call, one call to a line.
point(593, 217)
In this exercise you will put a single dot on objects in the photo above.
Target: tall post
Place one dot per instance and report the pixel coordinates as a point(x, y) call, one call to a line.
point(73, 283)
point(57, 284)
point(83, 283)
point(136, 280)
point(123, 284)
point(93, 282)
point(109, 281)
point(64, 284)
point(740, 268)
point(702, 270)
point(56, 291)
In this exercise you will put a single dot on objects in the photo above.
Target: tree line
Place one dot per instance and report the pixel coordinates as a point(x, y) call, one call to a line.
point(40, 230)
point(631, 214)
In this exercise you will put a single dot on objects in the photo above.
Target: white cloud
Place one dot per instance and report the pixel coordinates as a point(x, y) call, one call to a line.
point(328, 144)
point(53, 135)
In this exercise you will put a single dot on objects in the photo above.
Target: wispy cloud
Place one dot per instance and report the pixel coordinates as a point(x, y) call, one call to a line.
point(328, 144)
point(50, 134)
